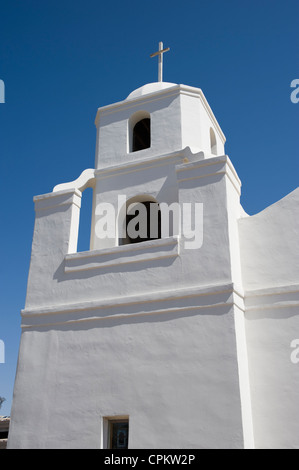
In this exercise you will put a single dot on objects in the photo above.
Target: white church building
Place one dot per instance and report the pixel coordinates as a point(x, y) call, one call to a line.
point(178, 328)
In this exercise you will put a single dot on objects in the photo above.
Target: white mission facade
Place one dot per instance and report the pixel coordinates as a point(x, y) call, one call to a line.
point(178, 339)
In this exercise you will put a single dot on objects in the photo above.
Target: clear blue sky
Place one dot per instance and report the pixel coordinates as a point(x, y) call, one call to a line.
point(61, 60)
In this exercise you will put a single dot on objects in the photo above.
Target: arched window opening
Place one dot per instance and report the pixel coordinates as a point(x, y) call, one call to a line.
point(85, 220)
point(142, 135)
point(213, 142)
point(142, 221)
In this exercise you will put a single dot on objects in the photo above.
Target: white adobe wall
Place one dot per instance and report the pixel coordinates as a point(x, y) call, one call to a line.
point(59, 275)
point(166, 364)
point(269, 245)
point(197, 119)
point(113, 129)
point(270, 270)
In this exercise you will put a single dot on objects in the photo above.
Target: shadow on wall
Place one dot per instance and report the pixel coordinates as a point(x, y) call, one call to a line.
point(61, 276)
point(126, 315)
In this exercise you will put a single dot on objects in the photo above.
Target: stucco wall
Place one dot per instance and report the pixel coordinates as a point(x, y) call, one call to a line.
point(270, 271)
point(173, 370)
point(57, 277)
point(274, 378)
point(269, 245)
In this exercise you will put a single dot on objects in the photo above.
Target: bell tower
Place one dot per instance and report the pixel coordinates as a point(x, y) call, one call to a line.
point(179, 116)
point(142, 338)
point(156, 124)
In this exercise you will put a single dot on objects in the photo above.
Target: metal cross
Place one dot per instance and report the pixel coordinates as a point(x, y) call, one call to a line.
point(160, 53)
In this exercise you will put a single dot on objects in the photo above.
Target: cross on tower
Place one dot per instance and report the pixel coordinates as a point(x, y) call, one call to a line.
point(160, 53)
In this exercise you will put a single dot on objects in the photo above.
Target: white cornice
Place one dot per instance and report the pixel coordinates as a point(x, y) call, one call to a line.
point(280, 297)
point(60, 198)
point(210, 166)
point(176, 157)
point(185, 301)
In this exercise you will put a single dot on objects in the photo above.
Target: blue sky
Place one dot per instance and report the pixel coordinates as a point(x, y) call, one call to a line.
point(61, 60)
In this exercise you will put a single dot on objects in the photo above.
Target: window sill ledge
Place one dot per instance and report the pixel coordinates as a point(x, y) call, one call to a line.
point(120, 255)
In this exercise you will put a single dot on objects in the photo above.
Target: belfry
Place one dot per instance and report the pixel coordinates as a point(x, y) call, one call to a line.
point(174, 338)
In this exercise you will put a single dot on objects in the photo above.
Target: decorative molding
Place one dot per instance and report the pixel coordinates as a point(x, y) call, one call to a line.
point(50, 201)
point(139, 165)
point(272, 298)
point(205, 170)
point(192, 300)
point(177, 157)
point(124, 254)
point(85, 180)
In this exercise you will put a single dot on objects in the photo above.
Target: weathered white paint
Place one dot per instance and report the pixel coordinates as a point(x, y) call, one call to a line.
point(192, 345)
